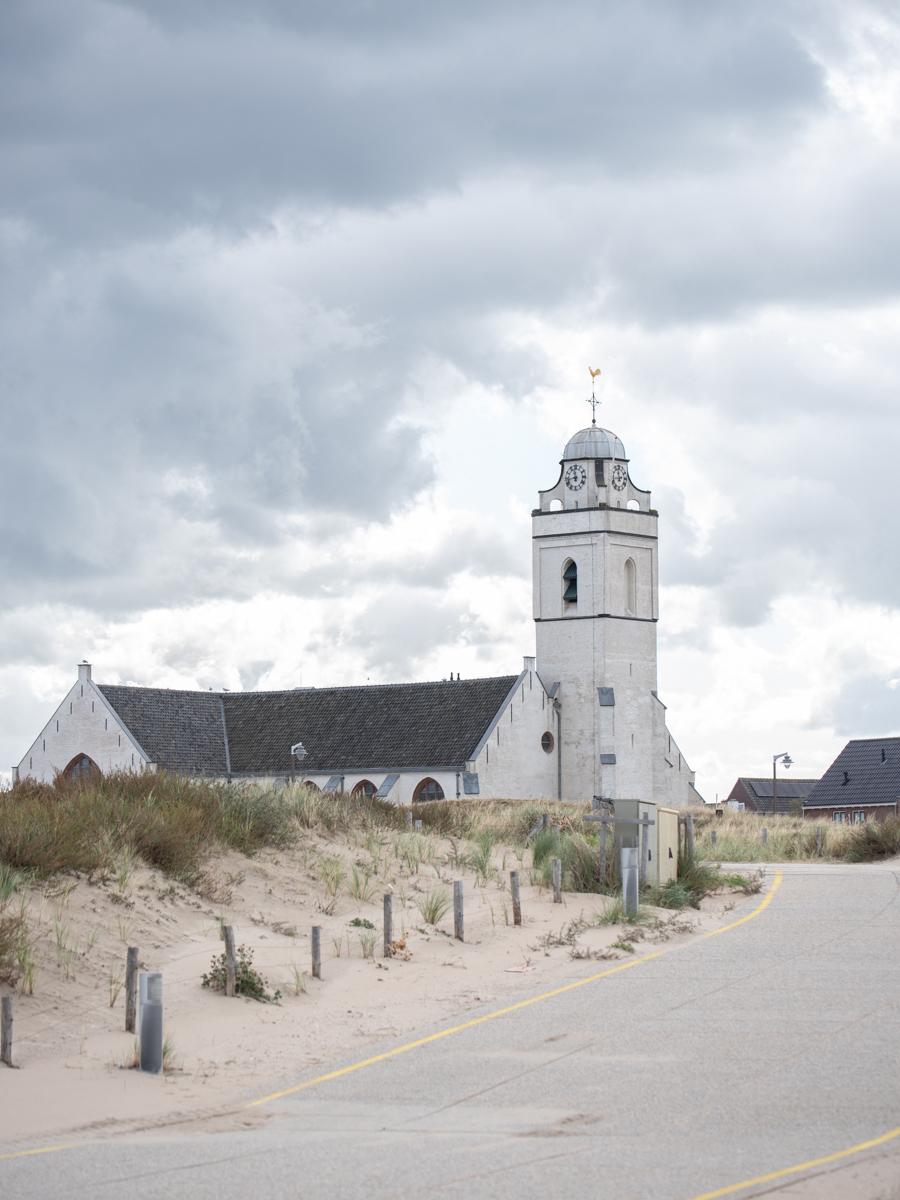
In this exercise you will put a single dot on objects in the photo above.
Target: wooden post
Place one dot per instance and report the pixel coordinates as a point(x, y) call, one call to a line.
point(689, 835)
point(458, 929)
point(557, 880)
point(388, 925)
point(819, 840)
point(229, 959)
point(317, 951)
point(6, 1020)
point(516, 900)
point(131, 981)
point(409, 818)
point(713, 837)
point(765, 836)
point(645, 834)
point(545, 821)
point(603, 854)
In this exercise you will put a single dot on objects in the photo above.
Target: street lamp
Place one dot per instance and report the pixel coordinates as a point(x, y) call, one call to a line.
point(298, 753)
point(788, 762)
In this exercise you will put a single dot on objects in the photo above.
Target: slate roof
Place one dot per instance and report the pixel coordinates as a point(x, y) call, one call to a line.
point(872, 767)
point(180, 731)
point(372, 728)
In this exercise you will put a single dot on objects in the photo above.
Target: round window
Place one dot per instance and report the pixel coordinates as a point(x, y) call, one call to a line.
point(547, 742)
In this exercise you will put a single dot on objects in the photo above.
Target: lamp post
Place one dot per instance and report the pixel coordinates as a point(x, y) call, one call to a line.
point(788, 762)
point(298, 753)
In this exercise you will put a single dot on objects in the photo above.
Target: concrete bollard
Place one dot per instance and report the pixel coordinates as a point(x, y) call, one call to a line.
point(556, 867)
point(819, 840)
point(409, 819)
point(418, 826)
point(630, 873)
point(765, 836)
point(151, 1020)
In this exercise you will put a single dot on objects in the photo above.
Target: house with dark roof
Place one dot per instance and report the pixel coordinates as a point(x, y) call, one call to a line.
point(756, 794)
point(862, 784)
point(582, 718)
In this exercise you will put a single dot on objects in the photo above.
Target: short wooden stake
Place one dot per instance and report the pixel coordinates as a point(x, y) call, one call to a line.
point(819, 840)
point(388, 925)
point(545, 821)
point(713, 837)
point(765, 836)
point(6, 1020)
point(516, 901)
point(229, 960)
point(131, 986)
point(317, 951)
point(557, 880)
point(458, 928)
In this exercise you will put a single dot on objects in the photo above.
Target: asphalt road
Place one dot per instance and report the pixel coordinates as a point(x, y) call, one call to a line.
point(772, 1044)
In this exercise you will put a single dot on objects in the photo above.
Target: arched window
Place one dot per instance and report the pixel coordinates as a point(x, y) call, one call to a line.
point(313, 787)
point(365, 788)
point(547, 743)
point(428, 789)
point(81, 767)
point(555, 505)
point(630, 588)
point(570, 583)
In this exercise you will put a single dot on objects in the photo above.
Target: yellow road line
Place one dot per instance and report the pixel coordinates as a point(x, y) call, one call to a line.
point(501, 1012)
point(813, 1162)
point(40, 1150)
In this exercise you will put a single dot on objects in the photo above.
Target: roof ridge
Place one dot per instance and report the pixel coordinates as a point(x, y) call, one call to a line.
point(346, 687)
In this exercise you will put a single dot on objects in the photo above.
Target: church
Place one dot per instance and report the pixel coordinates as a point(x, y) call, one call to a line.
point(582, 718)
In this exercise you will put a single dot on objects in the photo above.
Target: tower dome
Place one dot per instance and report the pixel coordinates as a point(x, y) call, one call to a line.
point(593, 442)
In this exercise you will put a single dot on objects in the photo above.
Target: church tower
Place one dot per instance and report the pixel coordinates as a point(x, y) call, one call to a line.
point(596, 605)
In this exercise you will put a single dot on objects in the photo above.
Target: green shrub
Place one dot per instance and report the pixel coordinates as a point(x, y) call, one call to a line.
point(247, 980)
point(867, 843)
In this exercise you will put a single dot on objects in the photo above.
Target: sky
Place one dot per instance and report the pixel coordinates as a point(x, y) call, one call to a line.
point(298, 306)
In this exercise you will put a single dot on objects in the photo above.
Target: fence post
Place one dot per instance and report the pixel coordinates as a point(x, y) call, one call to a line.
point(603, 854)
point(819, 840)
point(409, 818)
point(545, 821)
point(6, 1020)
point(713, 837)
point(557, 880)
point(317, 951)
point(458, 928)
point(388, 925)
point(418, 826)
point(765, 836)
point(516, 900)
point(689, 835)
point(645, 833)
point(229, 959)
point(131, 977)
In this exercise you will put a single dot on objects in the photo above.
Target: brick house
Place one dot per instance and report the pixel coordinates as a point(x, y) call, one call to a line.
point(862, 784)
point(756, 794)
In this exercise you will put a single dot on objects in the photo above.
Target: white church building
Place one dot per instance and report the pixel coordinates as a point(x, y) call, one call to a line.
point(582, 718)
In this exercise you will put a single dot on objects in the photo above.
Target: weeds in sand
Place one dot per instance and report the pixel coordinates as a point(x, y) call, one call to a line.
point(284, 929)
point(367, 943)
point(362, 886)
point(505, 908)
point(168, 1053)
point(12, 881)
point(297, 983)
point(26, 964)
point(125, 926)
point(434, 905)
point(481, 859)
point(125, 869)
point(13, 940)
point(91, 940)
point(61, 933)
point(412, 852)
point(626, 946)
point(332, 874)
point(116, 982)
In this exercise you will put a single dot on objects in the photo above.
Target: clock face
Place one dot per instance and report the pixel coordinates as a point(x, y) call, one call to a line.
point(575, 477)
point(619, 477)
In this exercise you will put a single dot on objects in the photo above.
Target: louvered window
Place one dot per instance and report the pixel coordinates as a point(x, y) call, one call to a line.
point(570, 576)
